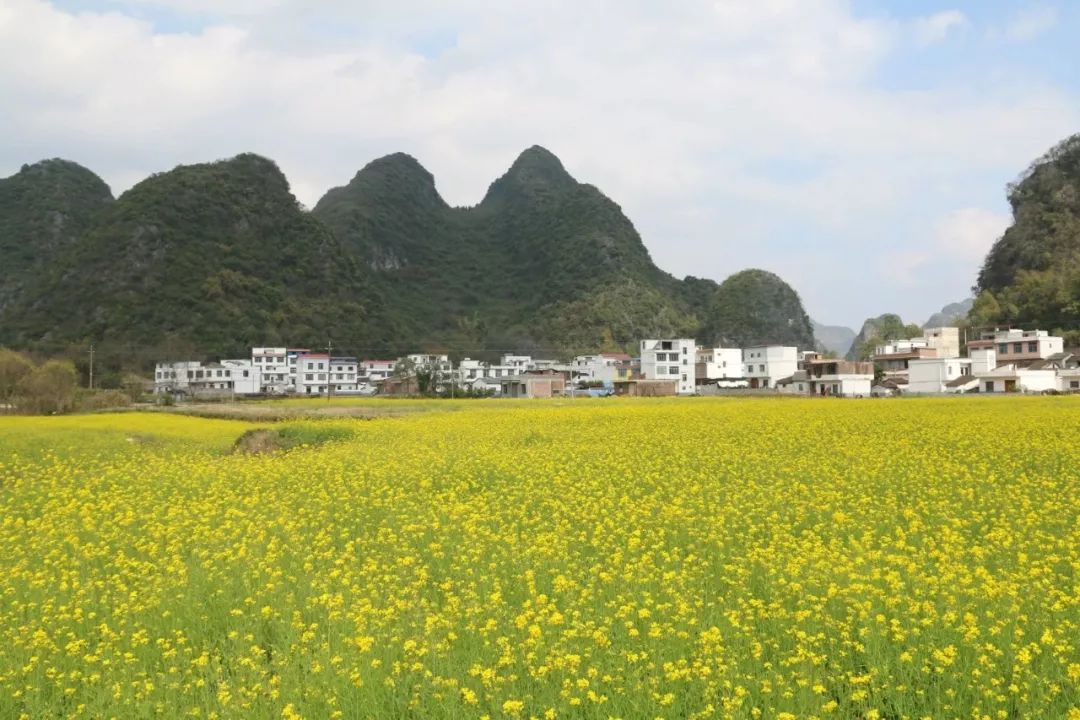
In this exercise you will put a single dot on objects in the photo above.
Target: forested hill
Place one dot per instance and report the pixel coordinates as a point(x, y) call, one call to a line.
point(208, 259)
point(1031, 276)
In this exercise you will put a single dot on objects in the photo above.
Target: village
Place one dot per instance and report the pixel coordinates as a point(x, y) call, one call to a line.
point(937, 363)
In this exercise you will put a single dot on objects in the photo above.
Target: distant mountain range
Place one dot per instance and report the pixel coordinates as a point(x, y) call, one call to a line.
point(210, 259)
point(951, 314)
point(834, 339)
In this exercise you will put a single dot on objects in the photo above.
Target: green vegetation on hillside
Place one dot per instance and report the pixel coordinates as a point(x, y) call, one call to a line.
point(207, 260)
point(44, 209)
point(755, 307)
point(216, 257)
point(876, 331)
point(1031, 276)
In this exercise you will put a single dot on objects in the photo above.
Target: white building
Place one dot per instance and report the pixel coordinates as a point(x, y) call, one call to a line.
point(438, 363)
point(830, 377)
point(312, 370)
point(343, 374)
point(523, 363)
point(469, 369)
point(245, 376)
point(946, 340)
point(1009, 377)
point(175, 377)
point(1019, 346)
point(719, 363)
point(765, 365)
point(275, 375)
point(671, 360)
point(485, 384)
point(602, 367)
point(375, 371)
point(933, 376)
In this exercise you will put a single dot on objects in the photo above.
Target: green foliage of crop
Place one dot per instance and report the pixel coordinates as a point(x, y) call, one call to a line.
point(674, 558)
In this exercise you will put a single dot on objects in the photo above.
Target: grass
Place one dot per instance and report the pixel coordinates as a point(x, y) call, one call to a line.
point(594, 559)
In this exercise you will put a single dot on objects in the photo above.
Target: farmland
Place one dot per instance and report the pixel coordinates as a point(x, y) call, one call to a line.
point(596, 559)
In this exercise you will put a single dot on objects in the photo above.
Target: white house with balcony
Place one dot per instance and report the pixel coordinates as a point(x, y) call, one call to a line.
point(607, 368)
point(765, 365)
point(1019, 346)
point(674, 359)
point(275, 375)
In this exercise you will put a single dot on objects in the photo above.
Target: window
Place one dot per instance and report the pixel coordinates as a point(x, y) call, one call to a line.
point(1033, 347)
point(674, 370)
point(761, 368)
point(684, 361)
point(1003, 348)
point(322, 376)
point(1018, 347)
point(320, 366)
point(684, 350)
point(309, 377)
point(1074, 384)
point(311, 366)
point(665, 344)
point(684, 377)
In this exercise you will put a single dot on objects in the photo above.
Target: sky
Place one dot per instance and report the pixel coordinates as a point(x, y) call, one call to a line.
point(858, 148)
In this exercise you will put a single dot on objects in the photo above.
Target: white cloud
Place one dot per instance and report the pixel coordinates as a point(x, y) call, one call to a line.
point(729, 131)
point(903, 266)
point(935, 28)
point(967, 234)
point(1031, 22)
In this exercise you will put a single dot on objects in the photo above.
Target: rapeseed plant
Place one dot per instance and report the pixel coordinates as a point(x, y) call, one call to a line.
point(659, 559)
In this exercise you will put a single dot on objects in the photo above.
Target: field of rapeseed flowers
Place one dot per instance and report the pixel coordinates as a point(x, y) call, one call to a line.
point(594, 559)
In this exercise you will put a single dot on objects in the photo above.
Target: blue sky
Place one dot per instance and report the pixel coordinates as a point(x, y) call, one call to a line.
point(859, 149)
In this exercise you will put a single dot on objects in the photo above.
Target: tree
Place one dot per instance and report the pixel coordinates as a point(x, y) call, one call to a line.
point(13, 368)
point(50, 388)
point(134, 386)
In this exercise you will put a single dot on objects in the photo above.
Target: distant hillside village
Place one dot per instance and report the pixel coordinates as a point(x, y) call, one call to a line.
point(998, 361)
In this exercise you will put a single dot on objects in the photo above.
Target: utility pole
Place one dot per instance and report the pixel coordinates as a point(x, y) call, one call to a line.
point(91, 366)
point(329, 366)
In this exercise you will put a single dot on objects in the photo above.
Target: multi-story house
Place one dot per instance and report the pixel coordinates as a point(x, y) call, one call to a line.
point(765, 365)
point(674, 359)
point(931, 376)
point(312, 370)
point(343, 374)
point(946, 340)
point(1019, 346)
point(830, 377)
point(718, 364)
point(273, 366)
point(375, 371)
point(522, 362)
point(606, 368)
point(438, 363)
point(175, 377)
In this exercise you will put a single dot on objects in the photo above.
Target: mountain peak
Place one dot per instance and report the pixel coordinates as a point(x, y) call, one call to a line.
point(61, 172)
point(395, 177)
point(536, 171)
